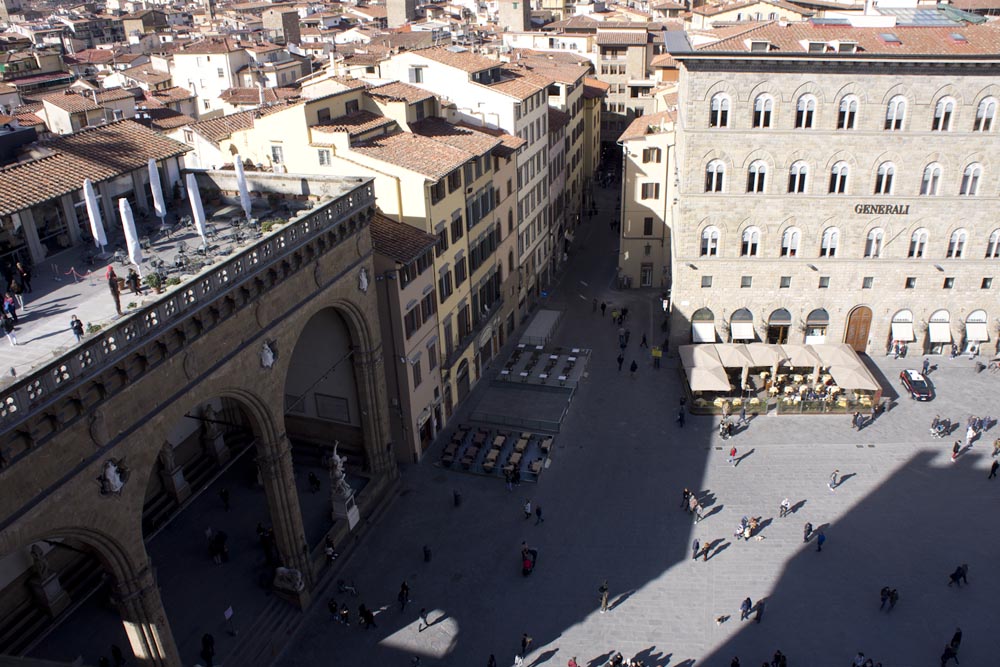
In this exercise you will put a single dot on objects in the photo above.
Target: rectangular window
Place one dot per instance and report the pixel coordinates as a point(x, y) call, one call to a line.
point(428, 306)
point(351, 106)
point(277, 155)
point(442, 243)
point(460, 272)
point(323, 116)
point(651, 155)
point(432, 356)
point(437, 192)
point(444, 286)
point(221, 73)
point(867, 282)
point(647, 227)
point(457, 230)
point(411, 321)
point(785, 282)
point(824, 282)
point(949, 283)
point(746, 282)
point(416, 373)
point(416, 75)
point(324, 157)
point(650, 191)
point(455, 180)
point(986, 284)
point(706, 281)
point(911, 283)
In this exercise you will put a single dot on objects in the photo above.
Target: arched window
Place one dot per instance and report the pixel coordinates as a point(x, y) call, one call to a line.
point(884, 177)
point(838, 178)
point(715, 172)
point(510, 263)
point(873, 244)
point(710, 242)
point(797, 174)
point(943, 112)
point(805, 112)
point(895, 113)
point(970, 180)
point(750, 242)
point(956, 244)
point(829, 243)
point(790, 242)
point(918, 243)
point(985, 113)
point(719, 115)
point(756, 176)
point(993, 245)
point(762, 108)
point(510, 221)
point(931, 182)
point(847, 116)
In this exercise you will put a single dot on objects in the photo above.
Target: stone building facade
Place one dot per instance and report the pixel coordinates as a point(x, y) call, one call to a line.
point(838, 184)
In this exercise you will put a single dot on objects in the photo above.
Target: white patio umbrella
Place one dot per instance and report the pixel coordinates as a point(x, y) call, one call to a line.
point(131, 238)
point(241, 181)
point(157, 190)
point(94, 213)
point(197, 210)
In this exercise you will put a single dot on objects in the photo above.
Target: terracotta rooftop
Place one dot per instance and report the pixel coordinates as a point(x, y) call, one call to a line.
point(433, 159)
point(210, 45)
point(712, 10)
point(509, 143)
point(146, 74)
point(794, 38)
point(648, 124)
point(169, 95)
point(251, 96)
point(557, 119)
point(976, 5)
point(663, 60)
point(355, 124)
point(621, 37)
point(520, 82)
point(397, 240)
point(164, 119)
point(70, 101)
point(466, 138)
point(113, 95)
point(594, 88)
point(458, 57)
point(399, 91)
point(99, 153)
point(217, 129)
point(90, 56)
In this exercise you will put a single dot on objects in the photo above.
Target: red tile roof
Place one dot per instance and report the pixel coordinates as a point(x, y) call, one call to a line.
point(355, 124)
point(469, 139)
point(433, 159)
point(621, 37)
point(146, 74)
point(248, 96)
point(210, 46)
point(399, 91)
point(397, 240)
point(169, 95)
point(458, 57)
point(648, 124)
point(593, 88)
point(99, 153)
point(217, 129)
point(557, 120)
point(70, 101)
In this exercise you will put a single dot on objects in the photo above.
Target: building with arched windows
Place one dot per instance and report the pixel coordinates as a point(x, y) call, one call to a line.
point(836, 183)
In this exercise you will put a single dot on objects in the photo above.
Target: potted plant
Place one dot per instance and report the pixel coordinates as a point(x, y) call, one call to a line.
point(153, 280)
point(173, 281)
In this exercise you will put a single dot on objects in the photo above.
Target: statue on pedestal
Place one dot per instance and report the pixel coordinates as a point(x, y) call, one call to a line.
point(209, 418)
point(338, 480)
point(39, 563)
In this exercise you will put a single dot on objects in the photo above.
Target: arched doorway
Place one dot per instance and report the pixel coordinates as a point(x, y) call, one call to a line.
point(859, 324)
point(939, 332)
point(778, 326)
point(976, 331)
point(902, 331)
point(462, 377)
point(703, 326)
point(741, 327)
point(817, 322)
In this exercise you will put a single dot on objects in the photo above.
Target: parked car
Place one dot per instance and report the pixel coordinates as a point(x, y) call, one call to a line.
point(917, 385)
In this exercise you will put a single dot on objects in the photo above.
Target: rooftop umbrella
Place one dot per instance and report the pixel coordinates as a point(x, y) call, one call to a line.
point(131, 238)
point(197, 210)
point(241, 181)
point(94, 213)
point(157, 190)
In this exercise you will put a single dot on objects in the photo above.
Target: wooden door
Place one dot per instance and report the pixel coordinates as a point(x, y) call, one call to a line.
point(858, 325)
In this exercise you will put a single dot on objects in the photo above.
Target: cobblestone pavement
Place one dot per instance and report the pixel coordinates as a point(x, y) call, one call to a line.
point(903, 516)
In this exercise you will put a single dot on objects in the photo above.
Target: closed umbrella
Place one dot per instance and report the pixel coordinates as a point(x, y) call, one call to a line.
point(197, 210)
point(94, 213)
point(241, 181)
point(157, 190)
point(131, 238)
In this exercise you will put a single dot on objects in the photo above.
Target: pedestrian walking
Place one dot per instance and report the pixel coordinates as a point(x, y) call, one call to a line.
point(705, 548)
point(996, 447)
point(692, 503)
point(604, 307)
point(633, 368)
point(993, 469)
point(695, 548)
point(628, 335)
point(345, 615)
point(959, 575)
point(207, 649)
point(949, 654)
point(331, 604)
point(807, 531)
point(970, 435)
point(624, 314)
point(732, 456)
point(745, 608)
point(893, 598)
point(18, 291)
point(456, 497)
point(603, 590)
point(423, 618)
point(367, 617)
point(820, 539)
point(680, 417)
point(735, 662)
point(686, 496)
point(743, 415)
point(759, 614)
point(925, 368)
point(492, 662)
point(955, 449)
point(621, 360)
point(24, 276)
point(538, 515)
point(833, 479)
point(642, 343)
point(508, 480)
point(783, 508)
point(856, 421)
point(10, 306)
point(956, 639)
point(76, 326)
point(113, 287)
point(614, 316)
point(404, 596)
point(697, 512)
point(8, 329)
point(884, 596)
point(525, 644)
point(224, 497)
point(527, 508)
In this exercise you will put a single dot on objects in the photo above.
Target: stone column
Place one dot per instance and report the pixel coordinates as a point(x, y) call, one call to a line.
point(35, 248)
point(278, 476)
point(72, 223)
point(145, 621)
point(111, 218)
point(140, 190)
point(369, 379)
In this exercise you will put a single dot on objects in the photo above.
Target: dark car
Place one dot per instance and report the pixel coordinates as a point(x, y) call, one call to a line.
point(917, 385)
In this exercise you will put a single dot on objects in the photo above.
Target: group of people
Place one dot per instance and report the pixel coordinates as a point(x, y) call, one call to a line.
point(18, 281)
point(779, 660)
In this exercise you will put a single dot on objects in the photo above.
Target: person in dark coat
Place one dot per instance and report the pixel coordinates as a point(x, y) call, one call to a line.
point(112, 278)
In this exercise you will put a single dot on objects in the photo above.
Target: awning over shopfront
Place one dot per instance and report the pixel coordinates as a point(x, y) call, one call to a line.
point(850, 377)
point(976, 332)
point(765, 355)
point(800, 356)
point(940, 332)
point(703, 332)
point(742, 331)
point(734, 356)
point(703, 368)
point(903, 331)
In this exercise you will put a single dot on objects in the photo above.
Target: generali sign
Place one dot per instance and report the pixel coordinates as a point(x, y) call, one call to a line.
point(882, 209)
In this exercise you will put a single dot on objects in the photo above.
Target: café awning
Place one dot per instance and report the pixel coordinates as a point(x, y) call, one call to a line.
point(903, 331)
point(734, 356)
point(708, 379)
point(800, 356)
point(703, 332)
point(853, 378)
point(742, 331)
point(940, 332)
point(765, 355)
point(976, 332)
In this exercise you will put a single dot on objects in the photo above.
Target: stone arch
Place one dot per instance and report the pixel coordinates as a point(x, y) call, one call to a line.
point(759, 154)
point(852, 88)
point(799, 155)
point(942, 159)
point(721, 86)
point(716, 154)
point(949, 90)
point(808, 88)
point(841, 156)
point(905, 91)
